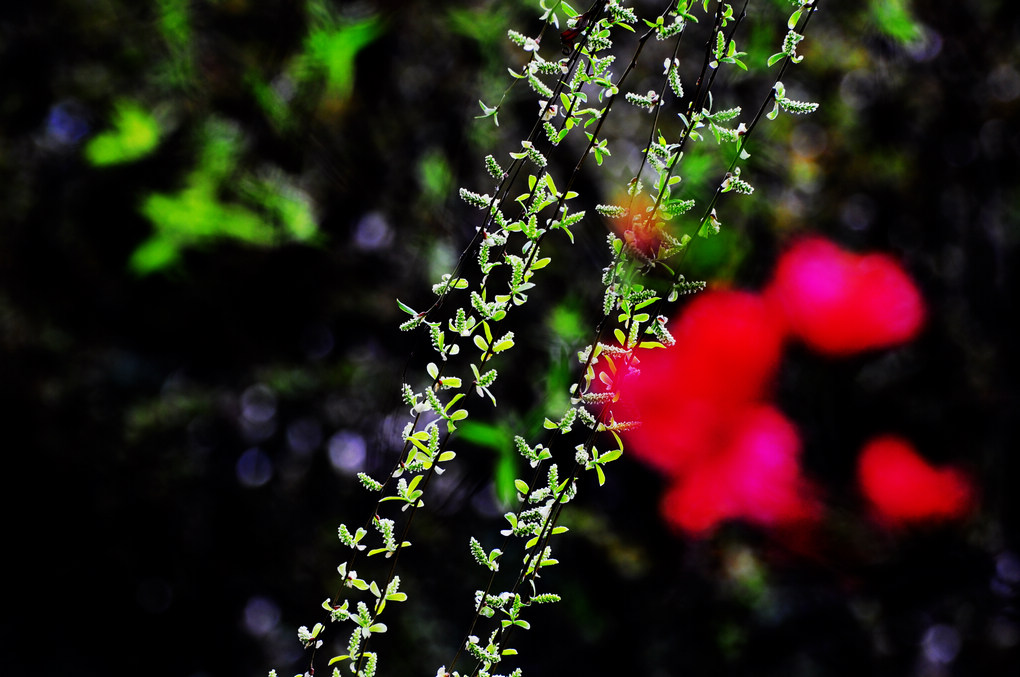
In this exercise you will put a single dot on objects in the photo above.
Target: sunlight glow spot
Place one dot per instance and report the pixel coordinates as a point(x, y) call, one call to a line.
point(261, 616)
point(941, 644)
point(372, 232)
point(258, 404)
point(347, 451)
point(254, 468)
point(304, 435)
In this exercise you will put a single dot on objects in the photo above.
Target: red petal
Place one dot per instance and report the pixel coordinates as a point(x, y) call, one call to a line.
point(902, 487)
point(755, 477)
point(838, 302)
point(728, 347)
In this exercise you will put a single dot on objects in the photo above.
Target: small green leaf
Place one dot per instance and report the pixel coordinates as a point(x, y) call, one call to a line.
point(610, 456)
point(794, 19)
point(505, 344)
point(135, 134)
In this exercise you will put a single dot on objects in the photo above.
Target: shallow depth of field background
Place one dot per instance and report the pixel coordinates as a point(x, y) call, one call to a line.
point(207, 210)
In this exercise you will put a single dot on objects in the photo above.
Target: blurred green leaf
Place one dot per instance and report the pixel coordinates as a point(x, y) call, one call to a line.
point(498, 438)
point(435, 175)
point(333, 48)
point(486, 26)
point(273, 211)
point(135, 134)
point(894, 19)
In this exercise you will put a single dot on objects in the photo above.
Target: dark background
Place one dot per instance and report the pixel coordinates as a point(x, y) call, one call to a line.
point(176, 436)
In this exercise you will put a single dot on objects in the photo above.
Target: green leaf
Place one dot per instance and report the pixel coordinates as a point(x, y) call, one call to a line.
point(521, 486)
point(551, 184)
point(610, 456)
point(135, 134)
point(794, 19)
point(505, 344)
point(488, 112)
point(894, 19)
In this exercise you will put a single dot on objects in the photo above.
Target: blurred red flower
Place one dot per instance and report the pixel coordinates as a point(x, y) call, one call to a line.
point(839, 302)
point(727, 350)
point(903, 488)
point(753, 475)
point(704, 404)
point(704, 422)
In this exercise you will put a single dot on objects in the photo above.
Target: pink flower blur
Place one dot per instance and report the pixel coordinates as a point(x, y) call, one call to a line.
point(903, 488)
point(839, 303)
point(707, 421)
point(754, 475)
point(727, 351)
point(704, 423)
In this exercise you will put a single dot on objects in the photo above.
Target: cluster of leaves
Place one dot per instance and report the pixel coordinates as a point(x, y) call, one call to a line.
point(514, 224)
point(219, 202)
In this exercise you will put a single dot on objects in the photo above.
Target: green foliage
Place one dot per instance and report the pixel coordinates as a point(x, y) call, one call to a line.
point(174, 22)
point(332, 45)
point(435, 175)
point(135, 134)
point(270, 209)
point(525, 205)
point(895, 20)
